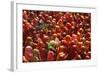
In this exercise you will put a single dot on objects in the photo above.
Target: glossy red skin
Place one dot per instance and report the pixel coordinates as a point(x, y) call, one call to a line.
point(50, 56)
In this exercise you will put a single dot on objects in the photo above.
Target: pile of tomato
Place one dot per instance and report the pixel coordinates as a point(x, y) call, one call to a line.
point(56, 36)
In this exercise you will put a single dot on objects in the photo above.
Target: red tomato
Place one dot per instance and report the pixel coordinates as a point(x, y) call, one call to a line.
point(28, 53)
point(50, 56)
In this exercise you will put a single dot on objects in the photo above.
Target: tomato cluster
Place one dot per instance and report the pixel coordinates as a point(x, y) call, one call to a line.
point(56, 36)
